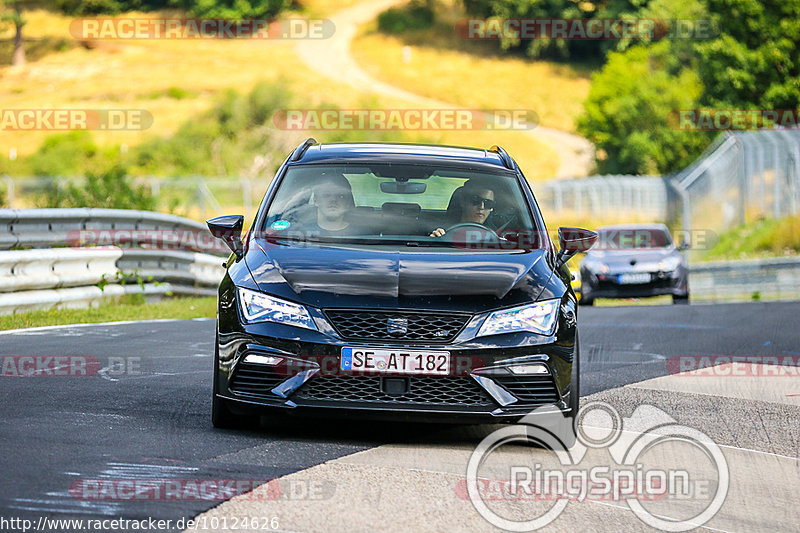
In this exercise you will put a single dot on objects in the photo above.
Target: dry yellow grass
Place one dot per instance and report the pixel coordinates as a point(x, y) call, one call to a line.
point(555, 92)
point(137, 75)
point(127, 74)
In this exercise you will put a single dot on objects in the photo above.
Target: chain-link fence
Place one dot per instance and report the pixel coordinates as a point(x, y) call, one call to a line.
point(742, 176)
point(606, 198)
point(196, 197)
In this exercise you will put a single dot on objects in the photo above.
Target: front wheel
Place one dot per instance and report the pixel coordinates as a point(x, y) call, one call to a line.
point(569, 429)
point(223, 418)
point(680, 298)
point(221, 415)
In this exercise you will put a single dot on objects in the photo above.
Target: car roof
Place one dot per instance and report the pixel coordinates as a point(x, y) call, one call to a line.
point(402, 153)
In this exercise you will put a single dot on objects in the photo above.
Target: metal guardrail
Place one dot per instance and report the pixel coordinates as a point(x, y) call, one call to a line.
point(749, 279)
point(22, 270)
point(53, 270)
point(37, 228)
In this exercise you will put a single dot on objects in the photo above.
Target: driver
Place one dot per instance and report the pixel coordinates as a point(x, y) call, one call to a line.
point(333, 198)
point(473, 203)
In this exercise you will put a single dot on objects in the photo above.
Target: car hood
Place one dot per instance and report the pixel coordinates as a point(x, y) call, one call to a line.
point(627, 258)
point(343, 276)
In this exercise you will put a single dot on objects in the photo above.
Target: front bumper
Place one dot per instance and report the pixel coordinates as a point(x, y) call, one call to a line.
point(309, 381)
point(661, 283)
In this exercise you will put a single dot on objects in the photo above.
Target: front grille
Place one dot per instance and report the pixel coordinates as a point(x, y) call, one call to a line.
point(375, 325)
point(254, 380)
point(421, 390)
point(654, 283)
point(530, 390)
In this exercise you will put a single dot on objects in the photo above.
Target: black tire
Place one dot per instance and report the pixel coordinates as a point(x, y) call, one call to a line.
point(586, 301)
point(680, 299)
point(221, 415)
point(569, 435)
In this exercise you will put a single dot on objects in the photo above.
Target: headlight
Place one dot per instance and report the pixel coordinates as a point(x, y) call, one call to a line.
point(537, 318)
point(258, 307)
point(669, 263)
point(594, 266)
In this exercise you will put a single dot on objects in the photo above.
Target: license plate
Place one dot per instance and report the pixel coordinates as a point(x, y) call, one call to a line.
point(395, 361)
point(636, 277)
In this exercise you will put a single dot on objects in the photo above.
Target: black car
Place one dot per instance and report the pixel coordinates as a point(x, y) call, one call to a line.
point(396, 281)
point(634, 260)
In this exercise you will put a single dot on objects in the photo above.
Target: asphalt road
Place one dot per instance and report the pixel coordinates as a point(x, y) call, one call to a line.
point(152, 421)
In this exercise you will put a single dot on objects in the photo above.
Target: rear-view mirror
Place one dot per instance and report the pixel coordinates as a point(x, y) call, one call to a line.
point(403, 187)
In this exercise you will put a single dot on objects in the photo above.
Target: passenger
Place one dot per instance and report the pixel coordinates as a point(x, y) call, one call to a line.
point(472, 203)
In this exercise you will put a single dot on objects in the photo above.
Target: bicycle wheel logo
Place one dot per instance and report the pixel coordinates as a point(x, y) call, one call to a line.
point(672, 477)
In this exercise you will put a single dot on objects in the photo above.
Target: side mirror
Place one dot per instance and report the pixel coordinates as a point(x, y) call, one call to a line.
point(571, 241)
point(683, 246)
point(229, 229)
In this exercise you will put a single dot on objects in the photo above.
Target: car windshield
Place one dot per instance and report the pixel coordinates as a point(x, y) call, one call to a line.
point(410, 205)
point(632, 238)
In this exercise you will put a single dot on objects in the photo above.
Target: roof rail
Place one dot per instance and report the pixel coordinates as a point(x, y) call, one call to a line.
point(504, 157)
point(300, 150)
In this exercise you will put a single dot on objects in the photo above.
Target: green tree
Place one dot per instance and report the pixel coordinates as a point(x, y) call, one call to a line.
point(236, 9)
point(627, 112)
point(755, 61)
point(97, 7)
point(11, 13)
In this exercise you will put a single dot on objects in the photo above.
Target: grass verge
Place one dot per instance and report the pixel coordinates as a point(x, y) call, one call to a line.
point(762, 238)
point(439, 64)
point(125, 309)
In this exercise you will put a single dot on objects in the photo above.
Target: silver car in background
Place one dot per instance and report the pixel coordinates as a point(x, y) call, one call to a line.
point(634, 260)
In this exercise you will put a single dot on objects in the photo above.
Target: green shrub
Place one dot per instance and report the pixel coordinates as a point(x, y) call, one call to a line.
point(417, 15)
point(111, 189)
point(71, 154)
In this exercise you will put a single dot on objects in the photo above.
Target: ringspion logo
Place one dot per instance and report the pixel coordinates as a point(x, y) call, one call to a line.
point(75, 119)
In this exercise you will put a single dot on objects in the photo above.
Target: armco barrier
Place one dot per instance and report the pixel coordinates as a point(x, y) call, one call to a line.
point(40, 228)
point(47, 269)
point(24, 270)
point(17, 302)
point(185, 268)
point(767, 279)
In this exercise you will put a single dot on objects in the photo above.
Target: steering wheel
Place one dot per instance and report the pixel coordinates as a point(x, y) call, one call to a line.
point(494, 239)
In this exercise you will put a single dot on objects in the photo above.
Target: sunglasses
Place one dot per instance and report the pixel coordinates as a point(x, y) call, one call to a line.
point(478, 201)
point(331, 196)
